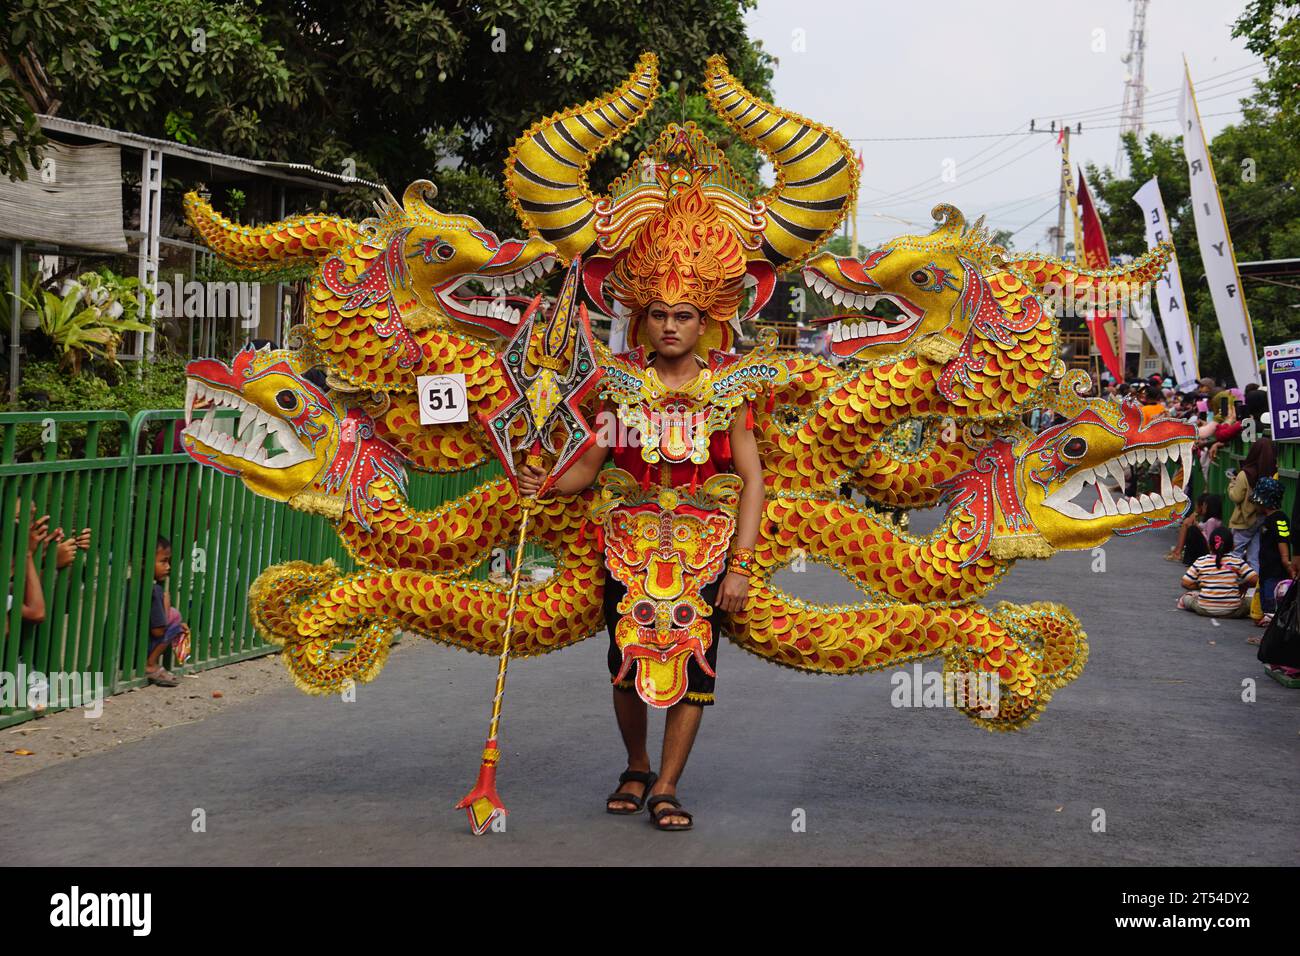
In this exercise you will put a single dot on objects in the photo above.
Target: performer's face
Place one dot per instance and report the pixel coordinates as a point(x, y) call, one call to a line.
point(673, 330)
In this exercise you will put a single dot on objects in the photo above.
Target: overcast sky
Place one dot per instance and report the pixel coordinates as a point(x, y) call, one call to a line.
point(949, 68)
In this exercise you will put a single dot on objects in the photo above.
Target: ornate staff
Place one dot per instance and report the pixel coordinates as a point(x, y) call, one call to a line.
point(547, 375)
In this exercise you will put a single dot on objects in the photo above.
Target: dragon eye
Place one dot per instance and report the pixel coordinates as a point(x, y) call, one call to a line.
point(1075, 448)
point(683, 614)
point(921, 277)
point(444, 251)
point(286, 399)
point(643, 612)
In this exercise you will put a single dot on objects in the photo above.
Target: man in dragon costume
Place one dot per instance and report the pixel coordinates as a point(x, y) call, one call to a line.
point(680, 509)
point(927, 413)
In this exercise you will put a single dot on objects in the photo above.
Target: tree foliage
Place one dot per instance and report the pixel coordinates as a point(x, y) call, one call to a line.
point(391, 90)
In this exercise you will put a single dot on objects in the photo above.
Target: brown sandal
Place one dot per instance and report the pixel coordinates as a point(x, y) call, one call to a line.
point(674, 809)
point(647, 777)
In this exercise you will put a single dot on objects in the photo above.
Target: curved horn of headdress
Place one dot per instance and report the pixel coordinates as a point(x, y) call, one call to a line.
point(546, 171)
point(816, 172)
point(279, 245)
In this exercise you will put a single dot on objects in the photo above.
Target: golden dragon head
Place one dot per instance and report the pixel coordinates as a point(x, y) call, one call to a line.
point(912, 287)
point(1064, 488)
point(377, 282)
point(292, 441)
point(956, 298)
point(438, 264)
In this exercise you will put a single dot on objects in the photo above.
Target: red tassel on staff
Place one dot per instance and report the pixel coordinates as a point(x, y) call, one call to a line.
point(771, 398)
point(695, 475)
point(749, 416)
point(645, 479)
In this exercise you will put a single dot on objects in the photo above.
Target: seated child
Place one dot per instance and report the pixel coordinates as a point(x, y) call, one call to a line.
point(1216, 581)
point(1194, 536)
point(166, 629)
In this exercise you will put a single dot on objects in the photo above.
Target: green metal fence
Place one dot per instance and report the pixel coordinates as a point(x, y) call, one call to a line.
point(127, 481)
point(1231, 457)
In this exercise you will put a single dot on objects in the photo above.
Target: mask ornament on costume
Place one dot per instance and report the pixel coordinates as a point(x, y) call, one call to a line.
point(665, 547)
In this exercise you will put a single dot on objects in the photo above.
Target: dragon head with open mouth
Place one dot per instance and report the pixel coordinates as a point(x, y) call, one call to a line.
point(1064, 488)
point(385, 291)
point(448, 264)
point(910, 287)
point(942, 291)
point(292, 441)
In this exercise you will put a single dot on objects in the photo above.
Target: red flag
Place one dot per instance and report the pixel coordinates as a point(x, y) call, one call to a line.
point(1104, 325)
point(1095, 255)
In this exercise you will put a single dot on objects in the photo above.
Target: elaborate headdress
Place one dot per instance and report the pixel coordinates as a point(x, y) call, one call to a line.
point(680, 225)
point(685, 252)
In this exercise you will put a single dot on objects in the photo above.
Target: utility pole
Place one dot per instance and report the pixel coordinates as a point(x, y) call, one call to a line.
point(1060, 212)
point(1131, 114)
point(1063, 134)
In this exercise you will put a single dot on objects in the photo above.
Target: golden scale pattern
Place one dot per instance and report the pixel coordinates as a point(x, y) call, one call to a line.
point(825, 424)
point(414, 562)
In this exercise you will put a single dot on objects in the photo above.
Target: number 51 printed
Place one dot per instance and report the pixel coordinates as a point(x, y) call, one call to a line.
point(442, 399)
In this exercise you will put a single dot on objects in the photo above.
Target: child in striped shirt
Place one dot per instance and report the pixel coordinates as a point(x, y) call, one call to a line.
point(1216, 581)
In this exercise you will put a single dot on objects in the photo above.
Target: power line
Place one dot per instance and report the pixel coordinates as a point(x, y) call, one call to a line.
point(967, 180)
point(1203, 83)
point(1049, 209)
point(1172, 119)
point(1241, 91)
point(926, 186)
point(922, 139)
point(1170, 97)
point(1096, 112)
point(926, 182)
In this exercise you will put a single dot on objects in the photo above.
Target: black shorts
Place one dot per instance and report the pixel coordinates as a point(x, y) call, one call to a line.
point(699, 685)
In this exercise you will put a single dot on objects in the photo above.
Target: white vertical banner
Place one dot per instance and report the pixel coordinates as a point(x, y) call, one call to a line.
point(1216, 244)
point(1170, 302)
point(1143, 319)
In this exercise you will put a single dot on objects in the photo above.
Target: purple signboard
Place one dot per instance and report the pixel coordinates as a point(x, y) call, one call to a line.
point(1282, 363)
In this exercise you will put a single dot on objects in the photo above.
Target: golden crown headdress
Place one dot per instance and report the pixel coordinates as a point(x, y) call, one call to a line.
point(680, 225)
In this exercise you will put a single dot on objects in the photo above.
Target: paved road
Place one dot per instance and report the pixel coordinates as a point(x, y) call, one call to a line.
point(1154, 733)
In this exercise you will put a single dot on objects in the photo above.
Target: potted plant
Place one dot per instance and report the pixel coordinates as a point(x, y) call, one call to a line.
point(88, 320)
point(28, 320)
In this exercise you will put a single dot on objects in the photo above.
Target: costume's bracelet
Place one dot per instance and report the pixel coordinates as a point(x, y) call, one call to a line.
point(742, 562)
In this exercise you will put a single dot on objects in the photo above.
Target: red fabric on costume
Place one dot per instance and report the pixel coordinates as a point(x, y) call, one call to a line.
point(628, 457)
